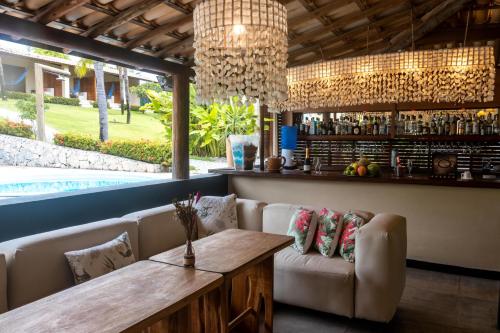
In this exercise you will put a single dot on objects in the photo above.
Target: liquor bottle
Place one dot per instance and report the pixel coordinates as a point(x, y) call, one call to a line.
point(330, 127)
point(440, 126)
point(356, 130)
point(475, 125)
point(496, 128)
point(420, 125)
point(414, 125)
point(302, 127)
point(369, 126)
point(425, 129)
point(349, 126)
point(460, 126)
point(307, 162)
point(337, 127)
point(468, 125)
point(364, 125)
point(383, 126)
point(447, 124)
point(489, 124)
point(482, 126)
point(375, 126)
point(453, 125)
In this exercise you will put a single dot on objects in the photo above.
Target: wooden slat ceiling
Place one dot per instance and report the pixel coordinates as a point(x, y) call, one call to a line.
point(318, 29)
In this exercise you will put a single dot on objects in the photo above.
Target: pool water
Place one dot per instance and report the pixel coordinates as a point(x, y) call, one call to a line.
point(47, 186)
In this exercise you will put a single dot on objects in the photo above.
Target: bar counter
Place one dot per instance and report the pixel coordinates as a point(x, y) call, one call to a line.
point(417, 179)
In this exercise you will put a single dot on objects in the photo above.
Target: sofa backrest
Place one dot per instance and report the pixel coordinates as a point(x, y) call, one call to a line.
point(159, 230)
point(3, 284)
point(276, 217)
point(37, 267)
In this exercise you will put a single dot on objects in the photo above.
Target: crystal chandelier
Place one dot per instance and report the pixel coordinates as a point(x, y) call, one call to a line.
point(240, 50)
point(450, 75)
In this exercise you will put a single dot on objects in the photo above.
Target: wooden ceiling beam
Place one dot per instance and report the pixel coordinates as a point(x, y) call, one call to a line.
point(316, 13)
point(345, 20)
point(121, 18)
point(427, 23)
point(180, 7)
point(167, 50)
point(480, 32)
point(167, 27)
point(57, 9)
point(60, 40)
point(324, 42)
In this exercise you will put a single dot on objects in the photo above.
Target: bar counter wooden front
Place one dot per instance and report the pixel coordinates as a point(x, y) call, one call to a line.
point(147, 297)
point(246, 260)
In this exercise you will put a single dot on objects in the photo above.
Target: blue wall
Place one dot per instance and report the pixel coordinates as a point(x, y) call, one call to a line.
point(27, 216)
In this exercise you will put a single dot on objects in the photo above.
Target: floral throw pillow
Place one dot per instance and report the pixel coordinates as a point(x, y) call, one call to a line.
point(101, 259)
point(302, 227)
point(352, 223)
point(216, 214)
point(328, 232)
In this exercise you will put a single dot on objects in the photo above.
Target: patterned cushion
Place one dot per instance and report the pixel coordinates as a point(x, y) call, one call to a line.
point(302, 226)
point(352, 223)
point(328, 233)
point(216, 214)
point(101, 259)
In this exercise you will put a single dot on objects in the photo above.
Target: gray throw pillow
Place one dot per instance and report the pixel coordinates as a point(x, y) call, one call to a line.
point(216, 214)
point(101, 259)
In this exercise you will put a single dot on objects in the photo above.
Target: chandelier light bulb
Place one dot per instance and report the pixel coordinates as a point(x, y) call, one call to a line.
point(239, 29)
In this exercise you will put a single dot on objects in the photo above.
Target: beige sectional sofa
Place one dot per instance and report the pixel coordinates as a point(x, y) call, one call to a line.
point(369, 289)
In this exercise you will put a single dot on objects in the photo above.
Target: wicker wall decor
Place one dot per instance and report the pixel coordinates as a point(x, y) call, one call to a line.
point(450, 75)
point(240, 49)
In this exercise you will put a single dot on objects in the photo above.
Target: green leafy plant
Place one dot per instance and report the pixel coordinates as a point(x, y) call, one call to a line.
point(139, 150)
point(50, 53)
point(62, 100)
point(142, 90)
point(82, 67)
point(16, 129)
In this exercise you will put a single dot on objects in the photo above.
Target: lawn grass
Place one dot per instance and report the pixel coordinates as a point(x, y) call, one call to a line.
point(78, 120)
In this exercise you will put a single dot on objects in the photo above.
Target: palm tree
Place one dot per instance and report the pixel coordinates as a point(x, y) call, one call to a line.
point(3, 93)
point(124, 92)
point(101, 101)
point(81, 69)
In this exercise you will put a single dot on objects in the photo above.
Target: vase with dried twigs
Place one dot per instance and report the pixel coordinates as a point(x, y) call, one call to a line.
point(187, 215)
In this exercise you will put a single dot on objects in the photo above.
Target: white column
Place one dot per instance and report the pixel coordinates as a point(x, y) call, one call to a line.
point(65, 83)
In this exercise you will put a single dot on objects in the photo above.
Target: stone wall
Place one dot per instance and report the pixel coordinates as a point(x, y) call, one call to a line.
point(16, 151)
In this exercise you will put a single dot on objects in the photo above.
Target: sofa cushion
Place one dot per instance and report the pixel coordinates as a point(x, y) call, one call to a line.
point(37, 266)
point(352, 223)
point(249, 214)
point(314, 281)
point(328, 231)
point(3, 284)
point(275, 217)
point(303, 228)
point(216, 214)
point(87, 264)
point(159, 230)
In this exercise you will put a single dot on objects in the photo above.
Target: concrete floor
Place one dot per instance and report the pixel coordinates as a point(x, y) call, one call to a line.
point(432, 302)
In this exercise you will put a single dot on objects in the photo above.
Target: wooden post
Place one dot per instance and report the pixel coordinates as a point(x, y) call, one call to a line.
point(3, 93)
point(40, 114)
point(262, 115)
point(180, 127)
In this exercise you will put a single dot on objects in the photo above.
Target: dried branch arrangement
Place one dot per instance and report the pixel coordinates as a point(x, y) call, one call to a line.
point(187, 215)
point(451, 75)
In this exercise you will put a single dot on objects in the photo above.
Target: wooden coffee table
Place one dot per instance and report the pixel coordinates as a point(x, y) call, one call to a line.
point(246, 260)
point(143, 297)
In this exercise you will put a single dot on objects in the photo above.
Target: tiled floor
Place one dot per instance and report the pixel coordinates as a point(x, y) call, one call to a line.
point(432, 302)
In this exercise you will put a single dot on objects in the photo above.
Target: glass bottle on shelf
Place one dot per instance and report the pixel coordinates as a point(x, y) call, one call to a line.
point(414, 124)
point(460, 126)
point(489, 124)
point(496, 128)
point(475, 125)
point(330, 127)
point(383, 126)
point(375, 126)
point(440, 125)
point(337, 127)
point(420, 125)
point(364, 125)
point(453, 125)
point(447, 124)
point(356, 130)
point(468, 125)
point(349, 126)
point(425, 129)
point(369, 126)
point(307, 162)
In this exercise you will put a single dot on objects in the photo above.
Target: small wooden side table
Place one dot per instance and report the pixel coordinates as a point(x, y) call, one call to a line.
point(147, 297)
point(246, 260)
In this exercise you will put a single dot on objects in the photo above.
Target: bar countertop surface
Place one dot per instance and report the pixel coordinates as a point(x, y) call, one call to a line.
point(417, 179)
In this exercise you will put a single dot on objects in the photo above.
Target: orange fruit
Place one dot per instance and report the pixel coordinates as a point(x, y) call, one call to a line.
point(362, 170)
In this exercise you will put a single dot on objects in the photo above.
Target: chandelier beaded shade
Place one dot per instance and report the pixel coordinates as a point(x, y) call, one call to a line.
point(450, 75)
point(240, 50)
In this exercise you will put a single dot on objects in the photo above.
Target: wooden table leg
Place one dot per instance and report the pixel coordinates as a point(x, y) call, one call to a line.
point(267, 288)
point(224, 306)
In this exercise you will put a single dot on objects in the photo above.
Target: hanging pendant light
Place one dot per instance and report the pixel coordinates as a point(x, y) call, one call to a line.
point(240, 50)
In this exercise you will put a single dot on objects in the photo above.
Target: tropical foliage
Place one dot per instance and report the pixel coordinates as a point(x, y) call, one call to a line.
point(209, 126)
point(50, 53)
point(82, 67)
point(142, 90)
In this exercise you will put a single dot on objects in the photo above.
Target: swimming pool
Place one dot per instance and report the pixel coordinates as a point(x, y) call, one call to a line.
point(16, 189)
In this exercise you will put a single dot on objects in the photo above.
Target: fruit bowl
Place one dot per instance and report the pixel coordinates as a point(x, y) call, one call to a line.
point(362, 168)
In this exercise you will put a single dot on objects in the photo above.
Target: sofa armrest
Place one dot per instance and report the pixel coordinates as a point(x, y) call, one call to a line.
point(250, 214)
point(380, 267)
point(3, 284)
